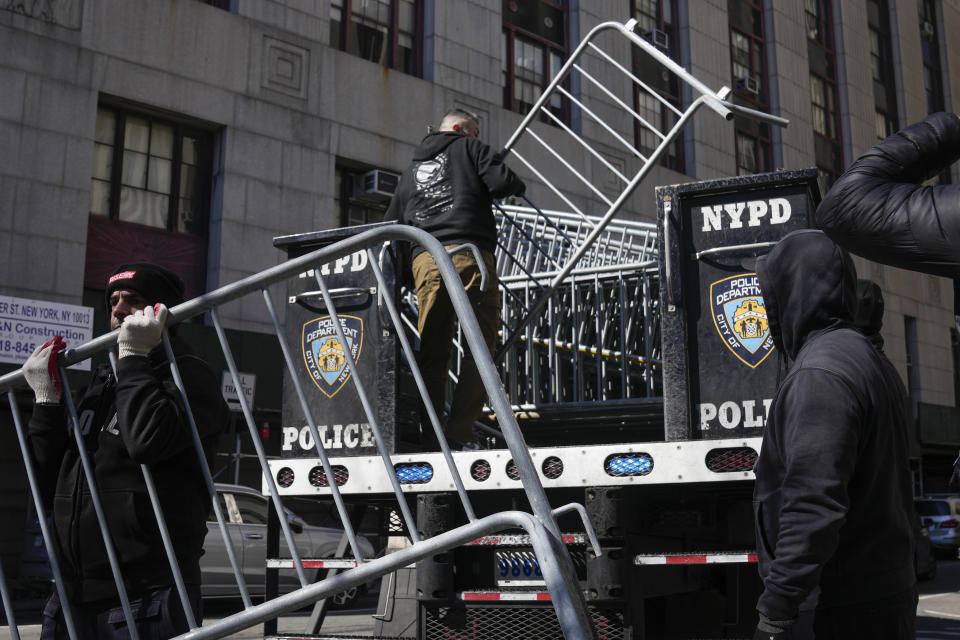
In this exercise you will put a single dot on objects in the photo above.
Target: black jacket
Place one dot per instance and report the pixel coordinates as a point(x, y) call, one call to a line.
point(136, 418)
point(448, 190)
point(832, 494)
point(879, 210)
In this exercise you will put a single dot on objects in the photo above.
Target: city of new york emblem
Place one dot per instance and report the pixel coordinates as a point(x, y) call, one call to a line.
point(324, 353)
point(740, 317)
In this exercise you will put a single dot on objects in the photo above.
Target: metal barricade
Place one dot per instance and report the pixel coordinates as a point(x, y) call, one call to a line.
point(579, 286)
point(540, 524)
point(600, 153)
point(598, 336)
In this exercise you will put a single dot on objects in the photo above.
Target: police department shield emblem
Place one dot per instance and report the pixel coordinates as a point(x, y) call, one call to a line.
point(326, 356)
point(741, 318)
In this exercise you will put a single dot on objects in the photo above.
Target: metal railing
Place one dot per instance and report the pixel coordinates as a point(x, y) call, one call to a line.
point(623, 128)
point(540, 524)
point(579, 310)
point(597, 338)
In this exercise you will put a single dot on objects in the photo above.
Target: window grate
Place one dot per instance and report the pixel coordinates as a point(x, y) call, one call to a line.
point(510, 623)
point(731, 460)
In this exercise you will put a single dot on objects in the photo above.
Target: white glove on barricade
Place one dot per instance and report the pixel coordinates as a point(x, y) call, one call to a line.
point(41, 373)
point(141, 331)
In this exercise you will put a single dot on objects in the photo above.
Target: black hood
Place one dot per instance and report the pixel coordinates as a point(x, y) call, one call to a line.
point(434, 143)
point(809, 285)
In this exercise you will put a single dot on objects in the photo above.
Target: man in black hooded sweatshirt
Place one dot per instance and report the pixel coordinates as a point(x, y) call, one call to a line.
point(448, 190)
point(832, 494)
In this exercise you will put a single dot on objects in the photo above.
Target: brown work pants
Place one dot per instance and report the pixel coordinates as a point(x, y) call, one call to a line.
point(436, 324)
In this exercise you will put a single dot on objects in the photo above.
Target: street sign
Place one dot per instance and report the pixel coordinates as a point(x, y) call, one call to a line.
point(248, 381)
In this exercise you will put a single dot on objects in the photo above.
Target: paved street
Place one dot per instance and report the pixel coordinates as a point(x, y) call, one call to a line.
point(938, 613)
point(354, 622)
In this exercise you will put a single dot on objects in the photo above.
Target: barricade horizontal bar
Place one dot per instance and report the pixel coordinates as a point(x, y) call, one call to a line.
point(325, 563)
point(696, 558)
point(522, 540)
point(504, 596)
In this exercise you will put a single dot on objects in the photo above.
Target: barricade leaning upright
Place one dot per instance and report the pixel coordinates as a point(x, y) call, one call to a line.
point(539, 524)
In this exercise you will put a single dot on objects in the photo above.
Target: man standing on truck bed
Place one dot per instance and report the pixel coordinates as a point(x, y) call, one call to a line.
point(832, 495)
point(448, 190)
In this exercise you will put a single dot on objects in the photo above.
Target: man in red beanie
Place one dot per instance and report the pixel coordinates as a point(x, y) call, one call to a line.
point(130, 419)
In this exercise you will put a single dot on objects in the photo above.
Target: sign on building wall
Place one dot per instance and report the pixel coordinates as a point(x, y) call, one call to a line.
point(25, 324)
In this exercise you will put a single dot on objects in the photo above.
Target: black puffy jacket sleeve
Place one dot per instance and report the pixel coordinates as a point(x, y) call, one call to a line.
point(878, 208)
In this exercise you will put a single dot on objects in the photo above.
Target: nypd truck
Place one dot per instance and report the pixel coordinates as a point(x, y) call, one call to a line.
point(641, 389)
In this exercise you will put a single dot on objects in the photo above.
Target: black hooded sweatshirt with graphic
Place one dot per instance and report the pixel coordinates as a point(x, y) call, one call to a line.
point(448, 190)
point(832, 494)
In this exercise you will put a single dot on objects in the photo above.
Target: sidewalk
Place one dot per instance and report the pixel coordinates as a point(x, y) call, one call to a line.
point(356, 622)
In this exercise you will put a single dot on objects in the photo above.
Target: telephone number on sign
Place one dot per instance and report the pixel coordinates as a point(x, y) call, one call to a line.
point(17, 346)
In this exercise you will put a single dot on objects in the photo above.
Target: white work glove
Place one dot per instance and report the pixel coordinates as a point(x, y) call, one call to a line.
point(41, 373)
point(141, 331)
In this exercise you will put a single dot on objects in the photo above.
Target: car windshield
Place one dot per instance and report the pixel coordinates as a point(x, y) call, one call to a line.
point(933, 508)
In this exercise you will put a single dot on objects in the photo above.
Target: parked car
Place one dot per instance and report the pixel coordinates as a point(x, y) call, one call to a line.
point(924, 556)
point(245, 513)
point(941, 516)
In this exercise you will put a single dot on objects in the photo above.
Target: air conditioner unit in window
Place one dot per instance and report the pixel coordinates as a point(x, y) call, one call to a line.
point(657, 38)
point(748, 84)
point(377, 185)
point(926, 29)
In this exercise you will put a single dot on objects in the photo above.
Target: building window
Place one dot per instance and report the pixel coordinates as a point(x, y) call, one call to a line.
point(362, 194)
point(932, 71)
point(884, 124)
point(656, 20)
point(150, 191)
point(881, 60)
point(145, 171)
point(748, 71)
point(821, 53)
point(823, 99)
point(747, 63)
point(930, 48)
point(226, 5)
point(388, 32)
point(533, 48)
point(752, 151)
point(811, 12)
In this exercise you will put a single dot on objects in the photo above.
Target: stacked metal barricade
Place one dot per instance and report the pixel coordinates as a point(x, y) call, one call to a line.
point(597, 338)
